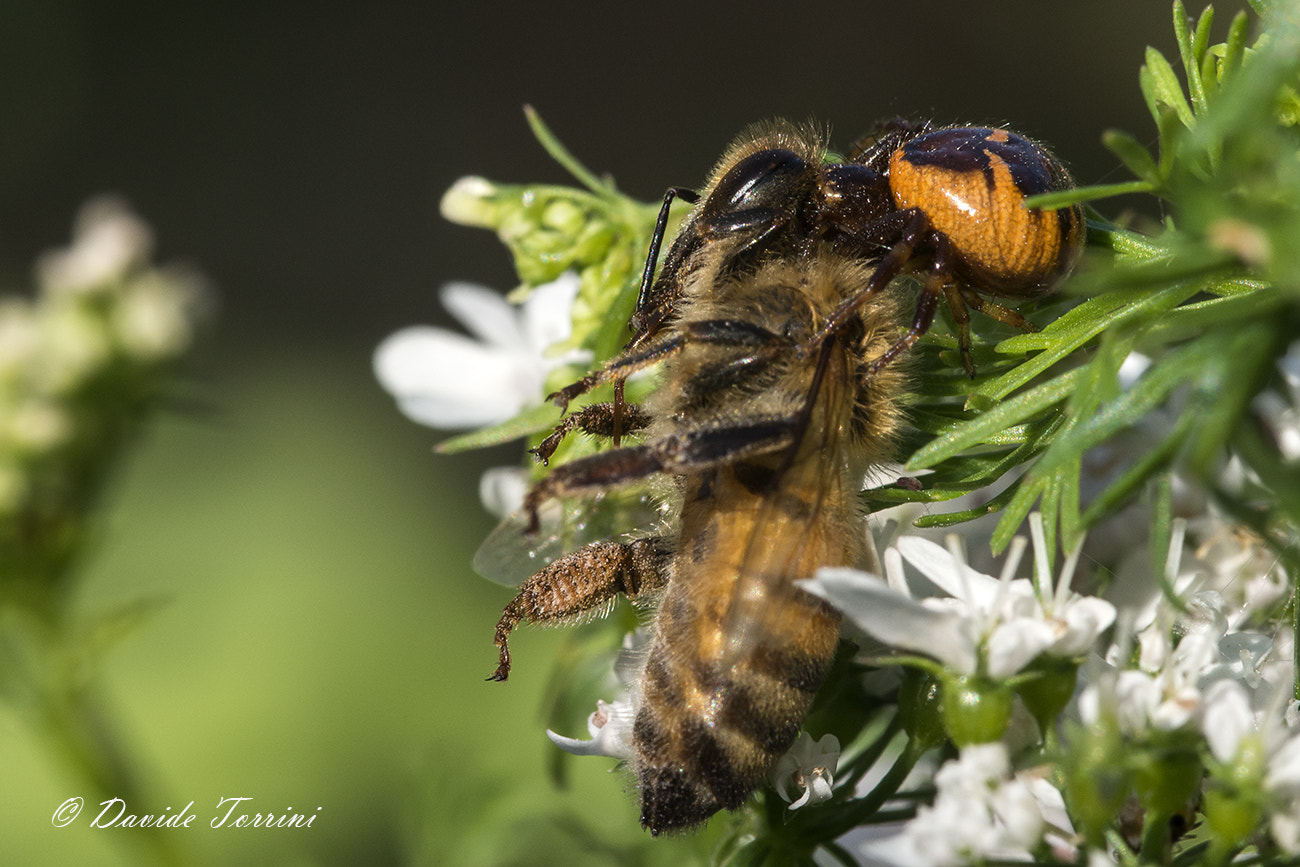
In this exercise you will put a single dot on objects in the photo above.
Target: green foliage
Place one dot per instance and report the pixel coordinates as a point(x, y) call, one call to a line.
point(1211, 297)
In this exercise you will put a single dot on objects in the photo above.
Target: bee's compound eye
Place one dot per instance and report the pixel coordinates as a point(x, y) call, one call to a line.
point(971, 183)
point(761, 179)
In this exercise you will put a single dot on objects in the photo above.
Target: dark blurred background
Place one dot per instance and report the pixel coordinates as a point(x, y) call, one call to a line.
point(324, 639)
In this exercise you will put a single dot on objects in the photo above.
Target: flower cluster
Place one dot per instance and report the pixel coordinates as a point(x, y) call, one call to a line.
point(78, 363)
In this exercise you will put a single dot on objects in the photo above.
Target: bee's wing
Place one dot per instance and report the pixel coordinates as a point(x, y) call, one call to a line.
point(509, 554)
point(806, 519)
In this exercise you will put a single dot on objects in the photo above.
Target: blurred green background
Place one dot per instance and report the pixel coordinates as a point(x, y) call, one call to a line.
point(324, 640)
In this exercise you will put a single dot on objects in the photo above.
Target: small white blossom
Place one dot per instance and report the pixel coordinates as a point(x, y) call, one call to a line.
point(108, 240)
point(611, 733)
point(34, 426)
point(610, 726)
point(981, 811)
point(20, 337)
point(1281, 413)
point(448, 380)
point(986, 625)
point(1243, 735)
point(468, 202)
point(808, 766)
point(1237, 564)
point(153, 320)
point(502, 490)
point(1166, 699)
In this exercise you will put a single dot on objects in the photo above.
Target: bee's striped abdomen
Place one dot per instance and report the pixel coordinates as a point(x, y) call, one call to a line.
point(712, 722)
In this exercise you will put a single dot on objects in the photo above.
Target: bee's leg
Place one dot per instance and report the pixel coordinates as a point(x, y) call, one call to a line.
point(598, 419)
point(643, 298)
point(685, 452)
point(617, 369)
point(582, 584)
point(720, 331)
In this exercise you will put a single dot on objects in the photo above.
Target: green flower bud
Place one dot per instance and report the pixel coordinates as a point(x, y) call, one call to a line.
point(919, 708)
point(1047, 694)
point(1095, 782)
point(1234, 795)
point(975, 710)
point(1165, 778)
point(471, 201)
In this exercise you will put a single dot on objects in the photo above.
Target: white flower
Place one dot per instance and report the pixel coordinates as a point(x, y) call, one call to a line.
point(980, 812)
point(1246, 738)
point(1236, 563)
point(988, 626)
point(611, 733)
point(808, 766)
point(468, 202)
point(20, 337)
point(502, 490)
point(1166, 699)
point(1281, 413)
point(447, 380)
point(610, 726)
point(107, 241)
point(154, 317)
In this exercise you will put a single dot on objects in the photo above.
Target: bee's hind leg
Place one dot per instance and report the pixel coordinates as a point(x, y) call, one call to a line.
point(582, 584)
point(599, 419)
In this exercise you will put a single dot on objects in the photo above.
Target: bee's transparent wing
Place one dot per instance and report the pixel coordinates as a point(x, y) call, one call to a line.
point(787, 544)
point(509, 554)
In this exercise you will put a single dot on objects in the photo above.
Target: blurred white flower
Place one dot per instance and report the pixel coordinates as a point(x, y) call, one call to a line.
point(108, 240)
point(1165, 698)
point(981, 812)
point(808, 766)
point(1281, 412)
point(988, 626)
point(154, 319)
point(1237, 564)
point(1180, 675)
point(448, 380)
point(502, 490)
point(20, 337)
point(34, 426)
point(1253, 741)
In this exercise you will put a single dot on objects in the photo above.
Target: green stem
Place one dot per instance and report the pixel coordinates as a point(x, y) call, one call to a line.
point(1155, 838)
point(44, 661)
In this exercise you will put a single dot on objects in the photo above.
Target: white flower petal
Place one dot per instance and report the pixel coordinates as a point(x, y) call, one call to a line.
point(895, 619)
point(446, 380)
point(1084, 619)
point(1014, 644)
point(1016, 806)
point(108, 240)
point(1284, 768)
point(1285, 828)
point(484, 313)
point(1227, 720)
point(946, 573)
point(548, 312)
point(502, 490)
point(611, 733)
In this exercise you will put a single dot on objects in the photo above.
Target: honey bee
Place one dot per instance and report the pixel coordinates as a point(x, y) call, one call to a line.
point(781, 386)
